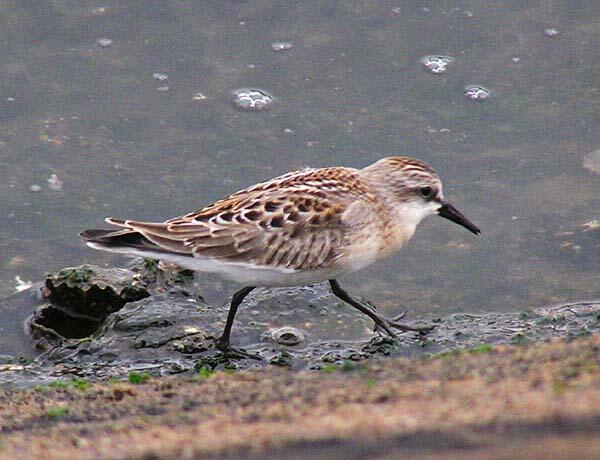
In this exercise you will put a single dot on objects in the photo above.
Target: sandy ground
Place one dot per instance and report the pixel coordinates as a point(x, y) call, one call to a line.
point(534, 402)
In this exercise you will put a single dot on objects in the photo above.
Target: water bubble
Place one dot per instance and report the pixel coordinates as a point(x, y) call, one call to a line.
point(252, 99)
point(477, 92)
point(199, 97)
point(160, 76)
point(281, 46)
point(436, 63)
point(104, 42)
point(288, 335)
point(551, 32)
point(35, 188)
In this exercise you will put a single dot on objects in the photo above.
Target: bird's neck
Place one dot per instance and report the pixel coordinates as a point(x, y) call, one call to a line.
point(400, 218)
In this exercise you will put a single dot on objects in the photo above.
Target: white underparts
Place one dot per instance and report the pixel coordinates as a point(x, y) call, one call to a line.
point(243, 273)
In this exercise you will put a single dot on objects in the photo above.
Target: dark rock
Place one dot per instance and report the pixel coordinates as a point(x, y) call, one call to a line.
point(94, 292)
point(80, 300)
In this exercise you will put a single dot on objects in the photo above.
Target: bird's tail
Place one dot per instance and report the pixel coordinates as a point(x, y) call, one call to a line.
point(116, 240)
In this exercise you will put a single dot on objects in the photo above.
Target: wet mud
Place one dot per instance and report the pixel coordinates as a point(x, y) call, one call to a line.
point(104, 323)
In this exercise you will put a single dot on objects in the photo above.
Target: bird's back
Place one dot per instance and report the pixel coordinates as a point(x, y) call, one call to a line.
point(298, 222)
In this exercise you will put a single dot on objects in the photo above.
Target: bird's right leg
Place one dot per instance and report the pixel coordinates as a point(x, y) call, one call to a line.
point(381, 322)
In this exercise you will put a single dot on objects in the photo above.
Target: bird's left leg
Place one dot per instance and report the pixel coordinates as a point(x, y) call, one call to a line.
point(222, 343)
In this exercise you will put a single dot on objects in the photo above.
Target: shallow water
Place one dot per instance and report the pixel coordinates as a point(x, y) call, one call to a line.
point(80, 99)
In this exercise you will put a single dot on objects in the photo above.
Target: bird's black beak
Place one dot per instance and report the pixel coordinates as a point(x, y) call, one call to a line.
point(451, 213)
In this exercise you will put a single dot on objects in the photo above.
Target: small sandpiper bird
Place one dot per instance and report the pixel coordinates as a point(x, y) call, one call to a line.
point(301, 228)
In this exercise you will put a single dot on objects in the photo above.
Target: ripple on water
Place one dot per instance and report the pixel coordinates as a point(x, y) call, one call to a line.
point(436, 63)
point(252, 99)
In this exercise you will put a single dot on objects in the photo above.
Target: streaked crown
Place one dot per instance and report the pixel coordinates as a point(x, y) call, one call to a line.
point(408, 179)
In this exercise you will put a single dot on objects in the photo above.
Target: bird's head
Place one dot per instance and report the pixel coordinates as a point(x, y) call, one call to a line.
point(413, 187)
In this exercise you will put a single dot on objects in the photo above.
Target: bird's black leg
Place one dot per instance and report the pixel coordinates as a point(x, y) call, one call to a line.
point(381, 322)
point(222, 343)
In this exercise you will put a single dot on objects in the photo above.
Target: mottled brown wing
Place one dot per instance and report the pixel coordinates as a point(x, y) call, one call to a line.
point(291, 229)
point(293, 221)
point(281, 230)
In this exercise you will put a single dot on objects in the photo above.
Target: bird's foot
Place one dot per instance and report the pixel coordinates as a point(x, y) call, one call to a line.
point(387, 325)
point(231, 352)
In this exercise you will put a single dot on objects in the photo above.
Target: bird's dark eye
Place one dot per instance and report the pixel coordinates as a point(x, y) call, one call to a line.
point(425, 191)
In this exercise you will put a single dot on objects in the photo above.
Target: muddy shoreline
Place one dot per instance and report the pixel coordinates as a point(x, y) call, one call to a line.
point(105, 323)
point(520, 401)
point(148, 382)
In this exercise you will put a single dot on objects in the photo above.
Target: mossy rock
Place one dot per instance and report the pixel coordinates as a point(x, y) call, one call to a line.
point(93, 291)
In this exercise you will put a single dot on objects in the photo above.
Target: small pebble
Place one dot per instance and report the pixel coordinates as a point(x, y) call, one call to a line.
point(35, 188)
point(163, 89)
point(199, 97)
point(288, 335)
point(22, 285)
point(551, 32)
